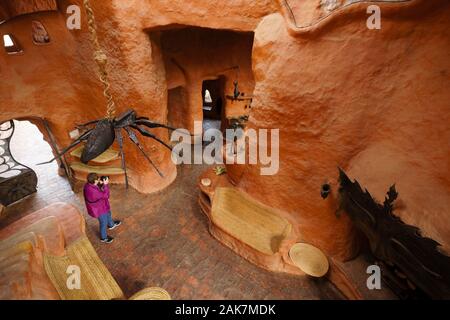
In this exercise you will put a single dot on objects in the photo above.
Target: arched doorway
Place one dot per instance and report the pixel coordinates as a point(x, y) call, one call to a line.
point(24, 144)
point(213, 104)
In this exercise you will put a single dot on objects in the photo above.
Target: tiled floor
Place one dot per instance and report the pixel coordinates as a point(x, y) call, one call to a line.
point(164, 239)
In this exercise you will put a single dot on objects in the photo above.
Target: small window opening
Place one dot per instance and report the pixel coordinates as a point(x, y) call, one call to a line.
point(8, 41)
point(11, 45)
point(40, 34)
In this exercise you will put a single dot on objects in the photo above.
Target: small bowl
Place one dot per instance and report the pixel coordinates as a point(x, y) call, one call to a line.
point(206, 182)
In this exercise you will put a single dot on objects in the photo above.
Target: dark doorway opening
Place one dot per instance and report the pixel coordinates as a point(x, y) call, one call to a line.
point(213, 104)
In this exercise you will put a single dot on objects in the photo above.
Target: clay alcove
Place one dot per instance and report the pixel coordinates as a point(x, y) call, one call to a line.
point(39, 33)
point(200, 60)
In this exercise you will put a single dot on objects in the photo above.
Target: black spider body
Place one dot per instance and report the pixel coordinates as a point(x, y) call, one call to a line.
point(100, 139)
point(102, 136)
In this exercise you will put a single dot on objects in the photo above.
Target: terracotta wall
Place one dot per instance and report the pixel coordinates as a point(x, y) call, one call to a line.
point(51, 81)
point(59, 81)
point(374, 102)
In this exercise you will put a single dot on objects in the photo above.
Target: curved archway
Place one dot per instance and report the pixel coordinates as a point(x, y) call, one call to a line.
point(26, 141)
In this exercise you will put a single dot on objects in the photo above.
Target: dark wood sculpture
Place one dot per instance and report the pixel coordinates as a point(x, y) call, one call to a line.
point(16, 180)
point(411, 262)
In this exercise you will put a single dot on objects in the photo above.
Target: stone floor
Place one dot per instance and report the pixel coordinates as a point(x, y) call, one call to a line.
point(164, 239)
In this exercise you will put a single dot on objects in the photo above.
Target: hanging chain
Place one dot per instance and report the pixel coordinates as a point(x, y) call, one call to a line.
point(101, 59)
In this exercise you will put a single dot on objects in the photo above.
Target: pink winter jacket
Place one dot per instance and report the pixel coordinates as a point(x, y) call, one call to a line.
point(97, 200)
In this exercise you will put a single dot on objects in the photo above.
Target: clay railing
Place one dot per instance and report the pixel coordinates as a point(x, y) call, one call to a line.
point(346, 9)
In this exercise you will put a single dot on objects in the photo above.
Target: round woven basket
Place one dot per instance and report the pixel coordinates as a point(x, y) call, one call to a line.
point(309, 259)
point(152, 294)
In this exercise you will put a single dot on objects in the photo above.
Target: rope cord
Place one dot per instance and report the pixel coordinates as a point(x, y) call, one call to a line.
point(101, 59)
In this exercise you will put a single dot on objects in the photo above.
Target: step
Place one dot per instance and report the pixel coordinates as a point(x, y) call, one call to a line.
point(100, 170)
point(107, 156)
point(81, 170)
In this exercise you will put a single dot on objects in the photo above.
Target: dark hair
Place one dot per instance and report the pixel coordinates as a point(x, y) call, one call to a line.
point(92, 177)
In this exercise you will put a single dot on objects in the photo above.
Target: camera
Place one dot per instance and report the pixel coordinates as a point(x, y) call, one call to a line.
point(101, 181)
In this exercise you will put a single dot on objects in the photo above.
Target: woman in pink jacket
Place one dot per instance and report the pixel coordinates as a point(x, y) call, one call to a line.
point(97, 204)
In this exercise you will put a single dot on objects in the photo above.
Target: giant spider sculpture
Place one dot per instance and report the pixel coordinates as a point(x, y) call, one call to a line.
point(101, 137)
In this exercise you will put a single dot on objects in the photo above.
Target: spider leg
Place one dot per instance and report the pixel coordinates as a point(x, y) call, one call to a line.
point(145, 122)
point(82, 138)
point(150, 135)
point(151, 124)
point(122, 155)
point(135, 140)
point(87, 123)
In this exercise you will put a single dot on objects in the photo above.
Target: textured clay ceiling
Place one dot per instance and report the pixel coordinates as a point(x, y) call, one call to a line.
point(13, 8)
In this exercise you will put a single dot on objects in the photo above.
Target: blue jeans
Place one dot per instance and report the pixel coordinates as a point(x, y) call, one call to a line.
point(105, 220)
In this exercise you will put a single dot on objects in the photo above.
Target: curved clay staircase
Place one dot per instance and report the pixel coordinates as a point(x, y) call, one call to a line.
point(107, 164)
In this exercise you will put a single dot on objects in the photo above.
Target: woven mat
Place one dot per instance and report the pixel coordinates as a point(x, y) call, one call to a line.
point(154, 293)
point(97, 282)
point(250, 222)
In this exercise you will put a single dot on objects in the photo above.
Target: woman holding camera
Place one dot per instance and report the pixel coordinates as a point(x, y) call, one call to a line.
point(96, 196)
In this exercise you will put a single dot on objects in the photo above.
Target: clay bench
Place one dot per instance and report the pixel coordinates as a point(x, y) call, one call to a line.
point(256, 232)
point(37, 251)
point(249, 221)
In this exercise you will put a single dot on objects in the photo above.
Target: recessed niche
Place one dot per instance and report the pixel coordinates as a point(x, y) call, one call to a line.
point(40, 34)
point(11, 45)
